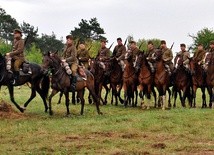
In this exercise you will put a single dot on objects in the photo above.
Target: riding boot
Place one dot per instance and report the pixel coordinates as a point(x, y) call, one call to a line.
point(168, 69)
point(15, 77)
point(73, 83)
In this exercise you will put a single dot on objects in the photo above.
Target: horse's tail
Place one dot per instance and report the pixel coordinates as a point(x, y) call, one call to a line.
point(45, 85)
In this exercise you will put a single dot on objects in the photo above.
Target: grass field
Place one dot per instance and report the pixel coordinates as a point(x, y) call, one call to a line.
point(118, 131)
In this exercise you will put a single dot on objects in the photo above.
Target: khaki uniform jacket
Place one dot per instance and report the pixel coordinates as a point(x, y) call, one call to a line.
point(83, 55)
point(167, 55)
point(18, 49)
point(104, 53)
point(135, 52)
point(70, 54)
point(119, 52)
point(199, 55)
point(185, 56)
point(150, 53)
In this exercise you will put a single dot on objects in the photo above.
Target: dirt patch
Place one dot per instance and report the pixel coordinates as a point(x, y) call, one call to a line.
point(159, 146)
point(6, 111)
point(129, 136)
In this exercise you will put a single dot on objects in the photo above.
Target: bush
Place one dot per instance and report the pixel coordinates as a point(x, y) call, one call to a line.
point(4, 47)
point(34, 54)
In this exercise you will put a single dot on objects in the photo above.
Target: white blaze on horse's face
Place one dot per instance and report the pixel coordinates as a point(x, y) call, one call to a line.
point(176, 65)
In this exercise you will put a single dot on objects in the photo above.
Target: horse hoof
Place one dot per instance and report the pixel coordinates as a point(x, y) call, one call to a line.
point(22, 109)
point(51, 113)
point(100, 113)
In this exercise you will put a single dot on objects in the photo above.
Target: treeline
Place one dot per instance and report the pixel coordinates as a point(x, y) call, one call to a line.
point(88, 31)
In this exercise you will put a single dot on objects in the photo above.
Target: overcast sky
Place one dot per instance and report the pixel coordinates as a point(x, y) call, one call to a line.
point(171, 20)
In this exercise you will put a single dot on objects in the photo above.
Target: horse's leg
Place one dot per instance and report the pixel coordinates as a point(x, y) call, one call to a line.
point(136, 96)
point(175, 97)
point(89, 98)
point(66, 93)
point(155, 96)
point(204, 104)
point(184, 96)
point(107, 91)
point(60, 97)
point(194, 96)
point(169, 99)
point(95, 97)
point(118, 93)
point(141, 98)
point(11, 91)
point(54, 92)
point(209, 89)
point(73, 98)
point(82, 100)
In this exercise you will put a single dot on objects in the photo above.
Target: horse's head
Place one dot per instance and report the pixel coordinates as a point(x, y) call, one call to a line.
point(178, 61)
point(158, 54)
point(50, 61)
point(140, 59)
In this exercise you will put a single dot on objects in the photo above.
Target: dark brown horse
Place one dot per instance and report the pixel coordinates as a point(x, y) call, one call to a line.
point(130, 81)
point(198, 81)
point(162, 78)
point(182, 82)
point(209, 65)
point(145, 78)
point(36, 79)
point(61, 82)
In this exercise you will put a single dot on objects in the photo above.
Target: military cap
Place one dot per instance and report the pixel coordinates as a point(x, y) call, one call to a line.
point(182, 45)
point(212, 42)
point(17, 31)
point(132, 42)
point(69, 37)
point(119, 39)
point(163, 42)
point(150, 42)
point(103, 40)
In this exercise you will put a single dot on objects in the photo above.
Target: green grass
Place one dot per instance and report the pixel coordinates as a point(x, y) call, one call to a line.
point(118, 131)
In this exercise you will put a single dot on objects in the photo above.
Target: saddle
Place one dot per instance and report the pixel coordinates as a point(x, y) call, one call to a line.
point(25, 69)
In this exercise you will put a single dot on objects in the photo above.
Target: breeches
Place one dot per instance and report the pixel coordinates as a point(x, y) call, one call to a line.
point(74, 67)
point(17, 64)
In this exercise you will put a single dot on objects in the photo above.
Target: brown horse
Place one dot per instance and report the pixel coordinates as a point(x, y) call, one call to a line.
point(209, 65)
point(61, 82)
point(162, 78)
point(182, 82)
point(130, 81)
point(145, 78)
point(198, 81)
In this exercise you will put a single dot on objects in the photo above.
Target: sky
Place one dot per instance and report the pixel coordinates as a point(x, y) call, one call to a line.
point(170, 20)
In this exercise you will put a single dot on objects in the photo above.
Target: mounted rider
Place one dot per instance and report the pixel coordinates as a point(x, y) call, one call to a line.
point(83, 56)
point(184, 55)
point(119, 52)
point(104, 56)
point(16, 56)
point(167, 56)
point(150, 55)
point(70, 59)
point(199, 54)
point(134, 51)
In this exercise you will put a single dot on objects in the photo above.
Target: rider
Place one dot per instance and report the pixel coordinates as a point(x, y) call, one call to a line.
point(185, 55)
point(70, 58)
point(150, 55)
point(103, 55)
point(199, 54)
point(211, 50)
point(119, 52)
point(17, 55)
point(167, 56)
point(83, 55)
point(134, 51)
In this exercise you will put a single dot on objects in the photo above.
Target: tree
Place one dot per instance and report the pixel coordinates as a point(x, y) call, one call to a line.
point(30, 32)
point(88, 30)
point(7, 25)
point(203, 36)
point(48, 43)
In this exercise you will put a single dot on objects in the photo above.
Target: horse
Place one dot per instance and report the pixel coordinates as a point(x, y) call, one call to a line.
point(61, 82)
point(130, 81)
point(161, 78)
point(115, 80)
point(145, 78)
point(209, 67)
point(182, 82)
point(38, 81)
point(97, 69)
point(198, 81)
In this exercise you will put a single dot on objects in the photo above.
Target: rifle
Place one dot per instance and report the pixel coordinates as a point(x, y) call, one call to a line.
point(111, 45)
point(89, 48)
point(77, 43)
point(172, 46)
point(125, 41)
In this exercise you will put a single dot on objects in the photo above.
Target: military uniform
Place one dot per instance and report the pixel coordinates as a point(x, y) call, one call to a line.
point(70, 55)
point(150, 55)
point(119, 52)
point(134, 52)
point(103, 54)
point(185, 55)
point(199, 56)
point(83, 57)
point(167, 57)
